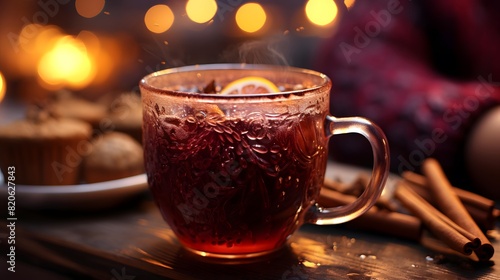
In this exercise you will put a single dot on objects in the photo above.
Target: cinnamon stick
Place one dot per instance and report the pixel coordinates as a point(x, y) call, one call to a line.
point(455, 237)
point(467, 198)
point(375, 220)
point(449, 203)
point(496, 214)
point(356, 188)
point(431, 242)
point(481, 209)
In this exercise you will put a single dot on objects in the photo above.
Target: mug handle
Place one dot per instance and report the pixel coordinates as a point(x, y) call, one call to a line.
point(380, 148)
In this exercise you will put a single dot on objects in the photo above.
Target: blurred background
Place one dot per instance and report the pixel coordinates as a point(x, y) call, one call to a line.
point(93, 47)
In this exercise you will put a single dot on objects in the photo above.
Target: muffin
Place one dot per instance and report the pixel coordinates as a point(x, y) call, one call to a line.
point(125, 114)
point(44, 150)
point(68, 106)
point(114, 155)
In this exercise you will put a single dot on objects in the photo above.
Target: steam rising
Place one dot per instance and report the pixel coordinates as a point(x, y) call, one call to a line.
point(268, 51)
point(261, 52)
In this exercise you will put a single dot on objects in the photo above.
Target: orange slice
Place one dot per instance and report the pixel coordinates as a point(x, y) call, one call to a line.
point(250, 85)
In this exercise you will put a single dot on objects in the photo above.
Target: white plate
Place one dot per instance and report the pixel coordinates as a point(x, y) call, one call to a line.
point(77, 197)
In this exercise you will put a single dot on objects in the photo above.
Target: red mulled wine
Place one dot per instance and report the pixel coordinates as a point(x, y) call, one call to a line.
point(234, 185)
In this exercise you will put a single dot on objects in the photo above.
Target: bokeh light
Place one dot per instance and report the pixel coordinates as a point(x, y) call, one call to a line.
point(67, 63)
point(3, 87)
point(34, 41)
point(321, 12)
point(28, 32)
point(201, 11)
point(349, 3)
point(159, 18)
point(251, 17)
point(58, 60)
point(89, 8)
point(99, 54)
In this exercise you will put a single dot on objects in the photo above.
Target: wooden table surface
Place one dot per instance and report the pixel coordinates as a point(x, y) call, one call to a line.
point(133, 242)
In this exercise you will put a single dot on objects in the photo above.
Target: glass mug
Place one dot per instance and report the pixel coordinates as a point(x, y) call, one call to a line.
point(235, 175)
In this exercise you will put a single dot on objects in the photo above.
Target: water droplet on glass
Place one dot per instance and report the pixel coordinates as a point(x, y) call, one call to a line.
point(429, 258)
point(259, 148)
point(218, 129)
point(275, 149)
point(236, 136)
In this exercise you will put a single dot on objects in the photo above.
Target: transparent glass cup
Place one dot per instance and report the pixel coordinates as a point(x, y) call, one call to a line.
point(235, 175)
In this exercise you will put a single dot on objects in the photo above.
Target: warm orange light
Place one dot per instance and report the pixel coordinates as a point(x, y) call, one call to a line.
point(46, 39)
point(90, 40)
point(321, 12)
point(349, 3)
point(34, 41)
point(66, 64)
point(251, 17)
point(201, 11)
point(60, 61)
point(28, 32)
point(3, 87)
point(159, 18)
point(103, 53)
point(89, 8)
